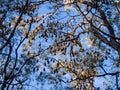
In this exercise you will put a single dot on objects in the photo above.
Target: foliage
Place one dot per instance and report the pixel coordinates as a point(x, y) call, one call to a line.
point(70, 44)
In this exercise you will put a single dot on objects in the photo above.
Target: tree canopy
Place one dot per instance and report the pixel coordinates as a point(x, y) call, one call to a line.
point(69, 44)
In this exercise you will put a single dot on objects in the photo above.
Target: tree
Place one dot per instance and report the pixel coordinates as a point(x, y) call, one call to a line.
point(95, 19)
point(16, 20)
point(80, 39)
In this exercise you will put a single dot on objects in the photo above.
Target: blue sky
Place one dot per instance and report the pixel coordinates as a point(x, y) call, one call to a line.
point(101, 82)
point(63, 16)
